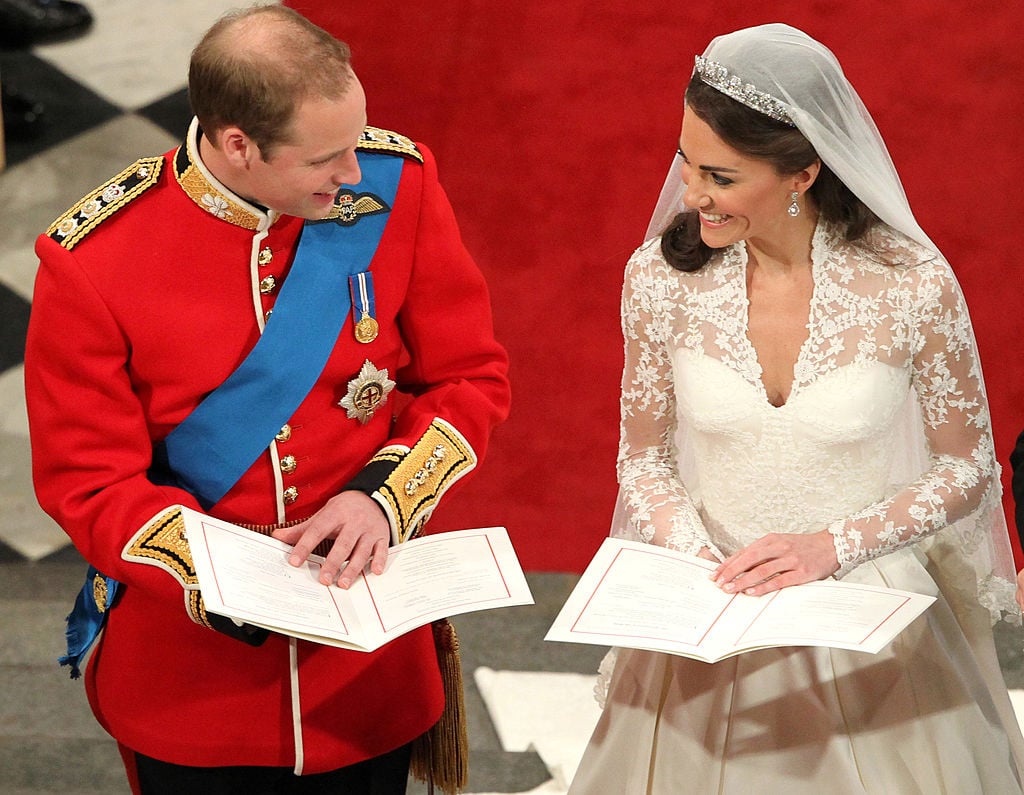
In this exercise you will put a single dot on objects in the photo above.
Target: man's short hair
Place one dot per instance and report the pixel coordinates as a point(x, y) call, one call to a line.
point(255, 66)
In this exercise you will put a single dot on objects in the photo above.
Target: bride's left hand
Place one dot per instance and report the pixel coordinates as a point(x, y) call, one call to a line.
point(777, 560)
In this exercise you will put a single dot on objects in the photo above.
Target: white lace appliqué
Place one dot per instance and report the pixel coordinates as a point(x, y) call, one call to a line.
point(706, 462)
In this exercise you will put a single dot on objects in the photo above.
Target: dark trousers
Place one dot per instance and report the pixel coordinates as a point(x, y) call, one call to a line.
point(382, 775)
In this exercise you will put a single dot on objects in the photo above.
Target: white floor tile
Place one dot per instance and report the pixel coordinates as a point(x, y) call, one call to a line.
point(550, 713)
point(35, 192)
point(136, 52)
point(13, 419)
point(23, 525)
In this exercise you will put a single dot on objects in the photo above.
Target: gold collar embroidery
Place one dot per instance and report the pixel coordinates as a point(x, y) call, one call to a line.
point(207, 192)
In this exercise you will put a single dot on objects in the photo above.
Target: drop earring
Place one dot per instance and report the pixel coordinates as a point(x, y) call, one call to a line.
point(794, 208)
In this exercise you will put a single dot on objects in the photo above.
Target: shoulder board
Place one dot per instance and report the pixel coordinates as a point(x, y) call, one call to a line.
point(95, 207)
point(375, 139)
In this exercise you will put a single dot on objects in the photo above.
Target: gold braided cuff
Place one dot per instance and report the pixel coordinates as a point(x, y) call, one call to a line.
point(162, 543)
point(421, 477)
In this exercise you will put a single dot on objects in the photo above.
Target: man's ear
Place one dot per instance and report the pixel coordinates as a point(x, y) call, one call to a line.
point(236, 146)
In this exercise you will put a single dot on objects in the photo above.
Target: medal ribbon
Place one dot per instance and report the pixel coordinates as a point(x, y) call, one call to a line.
point(363, 304)
point(215, 445)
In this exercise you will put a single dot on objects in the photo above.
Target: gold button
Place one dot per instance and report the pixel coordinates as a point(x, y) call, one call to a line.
point(291, 494)
point(267, 314)
point(267, 284)
point(284, 434)
point(288, 464)
point(265, 257)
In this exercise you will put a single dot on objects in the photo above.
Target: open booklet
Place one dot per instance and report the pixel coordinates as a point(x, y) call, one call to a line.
point(246, 576)
point(641, 596)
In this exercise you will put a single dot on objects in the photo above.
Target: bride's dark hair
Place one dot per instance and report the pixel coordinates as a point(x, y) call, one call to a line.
point(753, 134)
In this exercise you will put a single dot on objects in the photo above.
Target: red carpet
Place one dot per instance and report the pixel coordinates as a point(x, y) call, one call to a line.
point(553, 124)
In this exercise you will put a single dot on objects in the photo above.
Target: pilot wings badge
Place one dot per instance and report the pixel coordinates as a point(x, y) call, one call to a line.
point(349, 207)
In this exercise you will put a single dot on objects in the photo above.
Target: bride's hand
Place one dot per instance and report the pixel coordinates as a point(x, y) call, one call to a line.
point(707, 554)
point(777, 560)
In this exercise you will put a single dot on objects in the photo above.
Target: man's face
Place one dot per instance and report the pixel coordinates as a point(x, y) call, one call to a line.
point(301, 177)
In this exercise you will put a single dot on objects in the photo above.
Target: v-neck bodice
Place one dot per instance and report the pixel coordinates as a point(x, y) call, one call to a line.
point(707, 461)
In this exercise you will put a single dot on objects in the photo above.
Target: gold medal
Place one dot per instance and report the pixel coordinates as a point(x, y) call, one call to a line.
point(366, 329)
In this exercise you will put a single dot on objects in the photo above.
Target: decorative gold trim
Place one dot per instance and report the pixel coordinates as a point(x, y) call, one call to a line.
point(439, 458)
point(100, 592)
point(377, 139)
point(441, 755)
point(208, 196)
point(392, 454)
point(162, 543)
point(197, 608)
point(97, 206)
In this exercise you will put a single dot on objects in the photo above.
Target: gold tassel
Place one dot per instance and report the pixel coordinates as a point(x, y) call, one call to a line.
point(441, 755)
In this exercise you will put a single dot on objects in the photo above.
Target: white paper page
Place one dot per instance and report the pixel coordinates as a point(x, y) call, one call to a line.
point(838, 614)
point(642, 596)
point(646, 597)
point(442, 575)
point(246, 576)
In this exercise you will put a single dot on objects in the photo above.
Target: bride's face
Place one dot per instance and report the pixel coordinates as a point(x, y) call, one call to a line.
point(737, 197)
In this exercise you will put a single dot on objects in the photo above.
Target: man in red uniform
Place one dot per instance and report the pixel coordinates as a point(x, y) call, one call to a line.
point(228, 328)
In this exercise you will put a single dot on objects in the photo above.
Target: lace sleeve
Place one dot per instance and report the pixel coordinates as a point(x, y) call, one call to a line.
point(932, 318)
point(657, 508)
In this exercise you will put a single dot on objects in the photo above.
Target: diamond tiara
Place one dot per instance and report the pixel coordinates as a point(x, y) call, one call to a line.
point(717, 76)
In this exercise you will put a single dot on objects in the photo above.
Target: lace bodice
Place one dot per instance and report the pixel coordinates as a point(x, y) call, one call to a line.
point(707, 461)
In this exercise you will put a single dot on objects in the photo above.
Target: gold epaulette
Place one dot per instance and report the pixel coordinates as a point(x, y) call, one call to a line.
point(421, 477)
point(375, 139)
point(97, 206)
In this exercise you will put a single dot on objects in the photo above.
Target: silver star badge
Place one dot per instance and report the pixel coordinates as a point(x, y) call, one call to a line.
point(366, 392)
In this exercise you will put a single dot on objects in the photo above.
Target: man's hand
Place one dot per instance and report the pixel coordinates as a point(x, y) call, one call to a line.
point(360, 532)
point(777, 560)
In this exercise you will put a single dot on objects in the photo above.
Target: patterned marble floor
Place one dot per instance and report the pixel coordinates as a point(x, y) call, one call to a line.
point(112, 96)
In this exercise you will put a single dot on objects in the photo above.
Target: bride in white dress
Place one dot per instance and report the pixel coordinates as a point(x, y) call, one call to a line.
point(802, 398)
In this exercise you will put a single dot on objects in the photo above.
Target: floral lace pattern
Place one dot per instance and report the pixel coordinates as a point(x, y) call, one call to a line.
point(887, 329)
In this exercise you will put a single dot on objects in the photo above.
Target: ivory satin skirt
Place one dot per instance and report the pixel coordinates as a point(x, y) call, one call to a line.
point(929, 714)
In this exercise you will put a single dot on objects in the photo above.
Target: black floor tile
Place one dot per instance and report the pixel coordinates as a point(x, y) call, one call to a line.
point(66, 554)
point(13, 326)
point(506, 771)
point(8, 555)
point(69, 107)
point(172, 113)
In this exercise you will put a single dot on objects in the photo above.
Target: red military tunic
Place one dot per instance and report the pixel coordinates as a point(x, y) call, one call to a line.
point(150, 292)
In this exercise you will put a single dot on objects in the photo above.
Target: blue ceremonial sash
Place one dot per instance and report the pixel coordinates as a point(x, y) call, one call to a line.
point(233, 425)
point(215, 445)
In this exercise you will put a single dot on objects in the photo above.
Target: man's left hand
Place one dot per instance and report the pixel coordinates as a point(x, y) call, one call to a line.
point(360, 531)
